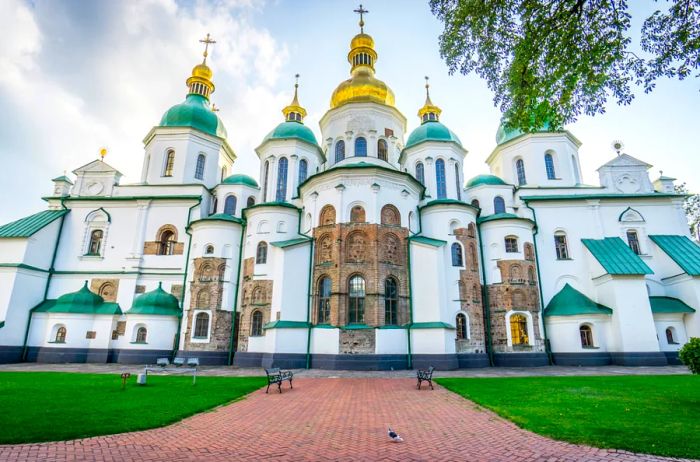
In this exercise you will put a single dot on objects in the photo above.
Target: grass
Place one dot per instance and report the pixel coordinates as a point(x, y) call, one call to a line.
point(648, 414)
point(51, 406)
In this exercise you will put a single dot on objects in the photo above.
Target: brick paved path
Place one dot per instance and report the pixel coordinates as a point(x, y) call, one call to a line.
point(329, 419)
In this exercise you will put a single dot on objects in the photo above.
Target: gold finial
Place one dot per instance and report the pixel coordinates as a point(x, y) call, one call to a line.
point(206, 42)
point(294, 112)
point(361, 11)
point(429, 111)
point(103, 153)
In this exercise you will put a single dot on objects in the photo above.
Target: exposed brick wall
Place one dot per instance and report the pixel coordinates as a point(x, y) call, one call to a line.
point(357, 341)
point(470, 294)
point(106, 288)
point(255, 295)
point(152, 247)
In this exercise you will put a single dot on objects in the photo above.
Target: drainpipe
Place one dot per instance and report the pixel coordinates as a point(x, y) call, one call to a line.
point(235, 297)
point(48, 282)
point(547, 347)
point(485, 295)
point(184, 278)
point(410, 287)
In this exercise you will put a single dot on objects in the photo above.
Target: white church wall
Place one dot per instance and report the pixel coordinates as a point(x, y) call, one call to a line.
point(44, 327)
point(673, 321)
point(289, 340)
point(564, 333)
point(687, 289)
point(391, 341)
point(160, 332)
point(20, 291)
point(432, 341)
point(493, 234)
point(426, 281)
point(325, 341)
point(291, 276)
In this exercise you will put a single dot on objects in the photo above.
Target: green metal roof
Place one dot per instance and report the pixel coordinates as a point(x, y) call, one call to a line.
point(63, 178)
point(292, 130)
point(431, 131)
point(682, 250)
point(502, 216)
point(84, 301)
point(220, 217)
point(194, 112)
point(616, 257)
point(570, 302)
point(290, 242)
point(428, 240)
point(566, 197)
point(505, 133)
point(239, 178)
point(485, 179)
point(280, 324)
point(669, 305)
point(156, 302)
point(447, 202)
point(27, 226)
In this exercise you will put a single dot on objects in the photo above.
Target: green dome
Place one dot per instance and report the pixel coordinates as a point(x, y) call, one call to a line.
point(485, 179)
point(239, 178)
point(194, 112)
point(156, 302)
point(287, 130)
point(432, 131)
point(81, 301)
point(504, 134)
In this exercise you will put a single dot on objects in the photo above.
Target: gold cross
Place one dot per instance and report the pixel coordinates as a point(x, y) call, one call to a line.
point(361, 11)
point(206, 41)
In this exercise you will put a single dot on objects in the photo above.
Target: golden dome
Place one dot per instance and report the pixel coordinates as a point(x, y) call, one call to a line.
point(199, 83)
point(362, 40)
point(202, 71)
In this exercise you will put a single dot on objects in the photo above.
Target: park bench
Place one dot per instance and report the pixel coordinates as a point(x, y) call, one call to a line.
point(276, 375)
point(163, 363)
point(426, 376)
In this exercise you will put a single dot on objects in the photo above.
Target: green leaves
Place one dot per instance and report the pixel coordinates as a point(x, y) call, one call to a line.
point(690, 355)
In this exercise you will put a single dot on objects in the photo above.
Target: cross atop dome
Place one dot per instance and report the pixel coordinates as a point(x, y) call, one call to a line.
point(294, 112)
point(429, 112)
point(207, 41)
point(200, 82)
point(361, 11)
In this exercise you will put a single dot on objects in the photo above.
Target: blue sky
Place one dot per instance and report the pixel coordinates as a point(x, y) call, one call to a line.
point(75, 76)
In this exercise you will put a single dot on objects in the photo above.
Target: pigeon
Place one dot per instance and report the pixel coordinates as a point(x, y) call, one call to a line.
point(394, 436)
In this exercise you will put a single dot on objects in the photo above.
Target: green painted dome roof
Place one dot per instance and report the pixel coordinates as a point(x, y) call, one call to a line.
point(194, 112)
point(156, 302)
point(287, 130)
point(431, 131)
point(82, 300)
point(239, 178)
point(504, 134)
point(485, 179)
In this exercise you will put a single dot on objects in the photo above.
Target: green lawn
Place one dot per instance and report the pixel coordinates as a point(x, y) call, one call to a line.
point(50, 406)
point(647, 414)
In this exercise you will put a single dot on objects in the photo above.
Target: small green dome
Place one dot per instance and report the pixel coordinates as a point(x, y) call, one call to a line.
point(504, 134)
point(485, 179)
point(156, 302)
point(194, 112)
point(239, 178)
point(81, 301)
point(432, 131)
point(287, 130)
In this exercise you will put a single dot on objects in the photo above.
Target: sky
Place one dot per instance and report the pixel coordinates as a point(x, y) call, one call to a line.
point(79, 75)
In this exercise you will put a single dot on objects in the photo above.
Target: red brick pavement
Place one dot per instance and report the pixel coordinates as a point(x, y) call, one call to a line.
point(329, 419)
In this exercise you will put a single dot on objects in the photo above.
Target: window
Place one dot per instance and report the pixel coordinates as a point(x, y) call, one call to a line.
point(420, 173)
point(391, 302)
point(356, 300)
point(633, 241)
point(199, 170)
point(670, 337)
point(261, 254)
point(209, 250)
point(266, 174)
point(141, 333)
point(303, 170)
point(511, 244)
point(339, 151)
point(167, 243)
point(499, 205)
point(382, 150)
point(457, 258)
point(169, 164)
point(230, 205)
point(461, 322)
point(390, 215)
point(458, 184)
point(440, 178)
point(281, 195)
point(529, 251)
point(531, 275)
point(360, 147)
point(561, 247)
point(95, 242)
point(256, 324)
point(61, 335)
point(518, 330)
point(549, 166)
point(357, 214)
point(327, 216)
point(324, 301)
point(586, 336)
point(475, 203)
point(471, 230)
point(520, 169)
point(201, 325)
point(251, 201)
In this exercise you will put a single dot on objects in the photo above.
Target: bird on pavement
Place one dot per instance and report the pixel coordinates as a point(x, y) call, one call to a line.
point(394, 436)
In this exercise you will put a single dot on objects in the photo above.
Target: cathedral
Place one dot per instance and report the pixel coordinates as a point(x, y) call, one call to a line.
point(368, 249)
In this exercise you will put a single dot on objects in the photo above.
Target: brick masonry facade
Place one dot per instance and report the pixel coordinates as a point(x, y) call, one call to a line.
point(256, 295)
point(470, 297)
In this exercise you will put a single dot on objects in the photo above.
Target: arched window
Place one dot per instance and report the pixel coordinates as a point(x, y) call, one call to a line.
point(670, 337)
point(107, 291)
point(382, 150)
point(574, 165)
point(357, 214)
point(250, 202)
point(420, 173)
point(221, 270)
point(266, 174)
point(520, 169)
point(461, 322)
point(356, 300)
point(529, 251)
point(390, 215)
point(95, 242)
point(458, 184)
point(209, 250)
point(511, 244)
point(261, 254)
point(199, 169)
point(203, 298)
point(531, 275)
point(472, 257)
point(633, 241)
point(201, 325)
point(475, 203)
point(499, 205)
point(141, 333)
point(549, 166)
point(256, 324)
point(561, 246)
point(391, 302)
point(281, 195)
point(516, 274)
point(586, 336)
point(303, 170)
point(360, 147)
point(440, 179)
point(324, 301)
point(339, 151)
point(167, 243)
point(230, 205)
point(457, 258)
point(471, 230)
point(327, 216)
point(169, 163)
point(518, 329)
point(60, 335)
